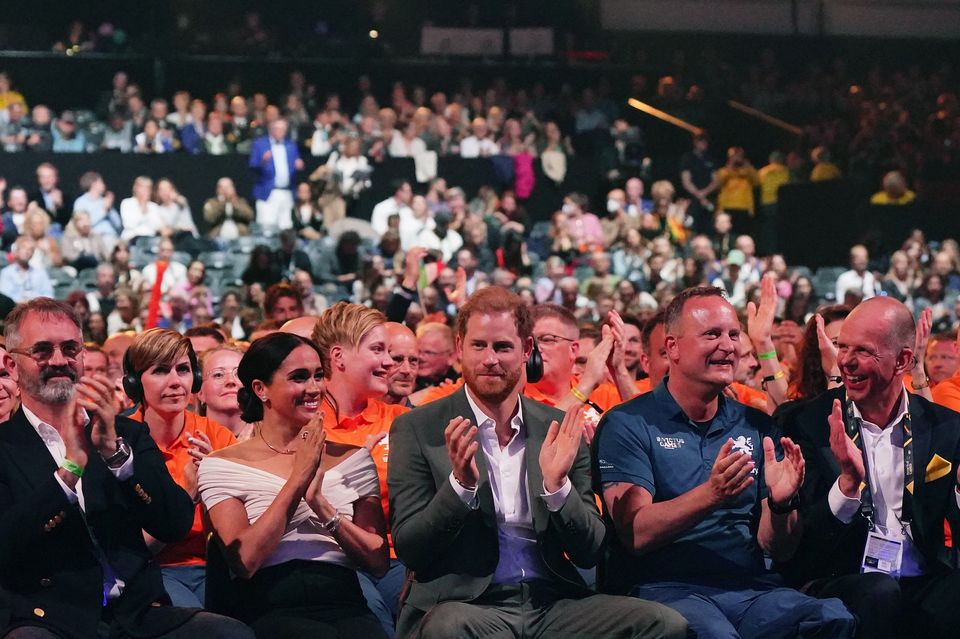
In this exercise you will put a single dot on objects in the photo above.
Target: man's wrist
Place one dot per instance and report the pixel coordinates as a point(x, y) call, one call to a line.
point(553, 485)
point(849, 486)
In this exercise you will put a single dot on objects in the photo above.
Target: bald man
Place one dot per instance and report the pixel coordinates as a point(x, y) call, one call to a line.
point(909, 586)
point(402, 378)
point(302, 326)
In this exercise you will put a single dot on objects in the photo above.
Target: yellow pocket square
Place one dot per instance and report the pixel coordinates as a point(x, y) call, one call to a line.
point(937, 468)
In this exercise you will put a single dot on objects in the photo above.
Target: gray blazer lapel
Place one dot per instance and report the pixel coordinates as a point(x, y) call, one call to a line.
point(536, 431)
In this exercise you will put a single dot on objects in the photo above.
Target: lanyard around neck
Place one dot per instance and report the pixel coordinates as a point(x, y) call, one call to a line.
point(854, 428)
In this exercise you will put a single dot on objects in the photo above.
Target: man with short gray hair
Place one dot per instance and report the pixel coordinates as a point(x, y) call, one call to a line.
point(73, 562)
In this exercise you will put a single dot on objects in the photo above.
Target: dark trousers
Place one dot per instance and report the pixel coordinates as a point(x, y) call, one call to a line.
point(534, 609)
point(307, 599)
point(203, 624)
point(927, 606)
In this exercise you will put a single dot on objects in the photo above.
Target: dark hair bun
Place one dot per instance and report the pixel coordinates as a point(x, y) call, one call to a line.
point(251, 408)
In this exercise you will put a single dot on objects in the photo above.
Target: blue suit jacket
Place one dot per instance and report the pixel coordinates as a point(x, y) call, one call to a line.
point(264, 172)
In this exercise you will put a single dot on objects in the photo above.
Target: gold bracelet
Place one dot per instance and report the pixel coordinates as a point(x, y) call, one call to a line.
point(576, 392)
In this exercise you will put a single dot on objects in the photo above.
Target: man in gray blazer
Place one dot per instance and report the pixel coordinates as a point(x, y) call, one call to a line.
point(491, 504)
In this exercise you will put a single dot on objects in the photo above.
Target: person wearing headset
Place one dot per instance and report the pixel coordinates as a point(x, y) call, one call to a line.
point(160, 372)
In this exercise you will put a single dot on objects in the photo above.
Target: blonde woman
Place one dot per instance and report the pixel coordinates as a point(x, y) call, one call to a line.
point(218, 393)
point(296, 514)
point(36, 224)
point(353, 347)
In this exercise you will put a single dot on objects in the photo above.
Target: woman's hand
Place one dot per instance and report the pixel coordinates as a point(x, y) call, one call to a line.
point(306, 460)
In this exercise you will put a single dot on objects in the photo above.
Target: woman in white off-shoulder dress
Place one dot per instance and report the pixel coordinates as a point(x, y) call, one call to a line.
point(296, 516)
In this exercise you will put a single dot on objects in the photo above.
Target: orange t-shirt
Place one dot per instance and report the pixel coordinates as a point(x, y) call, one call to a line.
point(643, 385)
point(376, 418)
point(750, 396)
point(193, 549)
point(947, 393)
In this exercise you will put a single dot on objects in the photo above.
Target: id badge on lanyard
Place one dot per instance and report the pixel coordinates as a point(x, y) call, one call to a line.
point(881, 552)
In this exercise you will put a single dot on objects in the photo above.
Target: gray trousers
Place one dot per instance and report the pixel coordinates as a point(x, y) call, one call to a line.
point(534, 610)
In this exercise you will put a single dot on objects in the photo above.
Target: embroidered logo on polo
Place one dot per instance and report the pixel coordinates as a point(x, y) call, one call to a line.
point(670, 443)
point(743, 444)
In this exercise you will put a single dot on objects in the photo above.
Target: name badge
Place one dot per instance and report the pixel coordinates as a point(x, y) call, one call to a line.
point(882, 554)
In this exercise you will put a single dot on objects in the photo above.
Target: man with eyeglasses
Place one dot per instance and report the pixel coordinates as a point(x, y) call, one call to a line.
point(402, 378)
point(556, 333)
point(78, 487)
point(882, 474)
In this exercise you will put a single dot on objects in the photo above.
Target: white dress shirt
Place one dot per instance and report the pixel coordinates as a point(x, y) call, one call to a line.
point(884, 450)
point(380, 218)
point(520, 558)
point(112, 585)
point(281, 165)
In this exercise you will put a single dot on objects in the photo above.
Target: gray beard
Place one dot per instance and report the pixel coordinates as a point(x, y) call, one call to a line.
point(59, 392)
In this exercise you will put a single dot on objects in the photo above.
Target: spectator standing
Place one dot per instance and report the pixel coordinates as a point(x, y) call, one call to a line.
point(696, 176)
point(735, 183)
point(275, 162)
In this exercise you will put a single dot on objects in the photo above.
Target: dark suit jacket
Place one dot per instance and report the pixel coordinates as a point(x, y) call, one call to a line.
point(50, 574)
point(265, 172)
point(454, 550)
point(831, 548)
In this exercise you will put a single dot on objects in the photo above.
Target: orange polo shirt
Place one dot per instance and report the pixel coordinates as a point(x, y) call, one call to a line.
point(750, 396)
point(376, 418)
point(193, 549)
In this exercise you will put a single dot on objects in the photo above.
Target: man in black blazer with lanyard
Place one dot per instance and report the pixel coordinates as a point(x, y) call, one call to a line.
point(491, 504)
point(882, 467)
point(78, 485)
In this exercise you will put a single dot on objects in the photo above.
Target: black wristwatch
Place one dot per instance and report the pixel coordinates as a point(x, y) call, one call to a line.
point(117, 459)
point(784, 509)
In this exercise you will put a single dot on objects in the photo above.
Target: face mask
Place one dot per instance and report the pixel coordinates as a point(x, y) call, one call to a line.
point(568, 208)
point(613, 206)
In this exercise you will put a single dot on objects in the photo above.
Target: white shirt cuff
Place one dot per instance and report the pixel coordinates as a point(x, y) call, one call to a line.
point(555, 500)
point(843, 508)
point(468, 497)
point(125, 471)
point(69, 492)
point(956, 494)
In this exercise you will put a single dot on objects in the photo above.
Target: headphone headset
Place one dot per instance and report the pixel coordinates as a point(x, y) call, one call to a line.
point(131, 379)
point(534, 364)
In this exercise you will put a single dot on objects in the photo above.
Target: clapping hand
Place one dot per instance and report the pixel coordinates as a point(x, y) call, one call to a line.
point(95, 394)
point(846, 452)
point(560, 448)
point(785, 477)
point(462, 446)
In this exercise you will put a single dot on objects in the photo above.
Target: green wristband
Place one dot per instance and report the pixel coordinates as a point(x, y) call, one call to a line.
point(71, 467)
point(767, 355)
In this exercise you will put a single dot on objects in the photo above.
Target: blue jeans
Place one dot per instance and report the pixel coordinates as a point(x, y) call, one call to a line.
point(186, 585)
point(383, 595)
point(758, 611)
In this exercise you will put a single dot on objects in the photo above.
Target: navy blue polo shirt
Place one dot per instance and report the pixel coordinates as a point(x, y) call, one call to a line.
point(650, 442)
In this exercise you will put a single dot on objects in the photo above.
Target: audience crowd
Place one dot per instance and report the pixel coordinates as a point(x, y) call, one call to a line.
point(347, 406)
